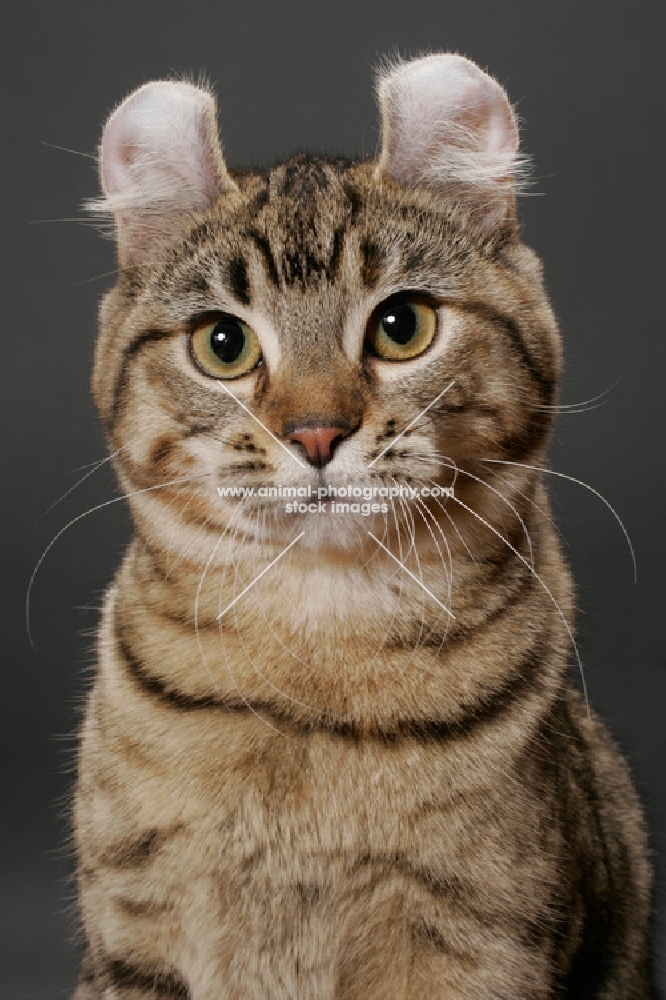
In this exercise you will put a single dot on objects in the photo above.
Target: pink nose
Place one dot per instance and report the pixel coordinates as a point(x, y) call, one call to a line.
point(317, 441)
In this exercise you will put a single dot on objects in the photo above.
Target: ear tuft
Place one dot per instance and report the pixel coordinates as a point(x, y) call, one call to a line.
point(160, 159)
point(447, 124)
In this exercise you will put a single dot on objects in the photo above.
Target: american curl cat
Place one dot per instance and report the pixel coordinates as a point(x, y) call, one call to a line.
point(332, 749)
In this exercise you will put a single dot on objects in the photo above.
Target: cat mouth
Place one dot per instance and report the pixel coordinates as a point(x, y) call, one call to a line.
point(327, 524)
point(334, 512)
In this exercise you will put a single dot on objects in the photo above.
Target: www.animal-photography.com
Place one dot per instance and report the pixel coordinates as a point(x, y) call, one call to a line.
point(333, 542)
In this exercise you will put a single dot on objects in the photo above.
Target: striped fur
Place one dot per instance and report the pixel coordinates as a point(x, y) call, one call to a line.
point(336, 791)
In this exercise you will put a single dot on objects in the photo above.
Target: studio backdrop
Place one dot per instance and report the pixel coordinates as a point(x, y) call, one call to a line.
point(290, 75)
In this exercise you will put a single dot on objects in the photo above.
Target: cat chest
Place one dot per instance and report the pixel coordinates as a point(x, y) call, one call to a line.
point(301, 848)
point(350, 844)
point(310, 822)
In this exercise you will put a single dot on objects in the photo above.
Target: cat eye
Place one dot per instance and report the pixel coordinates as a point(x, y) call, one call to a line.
point(225, 347)
point(401, 328)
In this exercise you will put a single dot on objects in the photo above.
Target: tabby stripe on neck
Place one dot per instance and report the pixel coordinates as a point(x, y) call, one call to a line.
point(459, 634)
point(143, 908)
point(157, 688)
point(134, 853)
point(522, 681)
point(153, 982)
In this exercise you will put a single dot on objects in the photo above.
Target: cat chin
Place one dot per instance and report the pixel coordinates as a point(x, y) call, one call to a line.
point(333, 533)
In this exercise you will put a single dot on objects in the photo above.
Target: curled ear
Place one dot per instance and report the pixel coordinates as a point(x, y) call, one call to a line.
point(160, 160)
point(448, 125)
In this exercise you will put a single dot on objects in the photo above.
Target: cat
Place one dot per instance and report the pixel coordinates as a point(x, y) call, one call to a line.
point(335, 752)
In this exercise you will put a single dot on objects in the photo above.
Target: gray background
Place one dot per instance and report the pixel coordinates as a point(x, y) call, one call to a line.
point(587, 80)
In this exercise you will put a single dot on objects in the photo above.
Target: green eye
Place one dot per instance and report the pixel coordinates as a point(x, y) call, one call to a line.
point(225, 347)
point(401, 328)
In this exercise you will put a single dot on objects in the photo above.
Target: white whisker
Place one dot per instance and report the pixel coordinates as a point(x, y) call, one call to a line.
point(74, 520)
point(534, 504)
point(259, 576)
point(509, 504)
point(583, 405)
point(197, 633)
point(66, 149)
point(409, 573)
point(450, 518)
point(95, 466)
point(423, 509)
point(562, 475)
point(172, 534)
point(542, 584)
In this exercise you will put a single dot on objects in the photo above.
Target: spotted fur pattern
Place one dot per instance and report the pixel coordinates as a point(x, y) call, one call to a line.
point(336, 790)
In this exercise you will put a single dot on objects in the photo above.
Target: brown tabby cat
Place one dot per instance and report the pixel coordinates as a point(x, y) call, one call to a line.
point(333, 752)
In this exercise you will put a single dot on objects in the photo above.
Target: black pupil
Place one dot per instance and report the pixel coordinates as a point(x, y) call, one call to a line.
point(227, 340)
point(399, 323)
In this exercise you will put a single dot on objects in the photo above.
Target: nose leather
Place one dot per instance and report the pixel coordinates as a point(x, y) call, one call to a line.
point(318, 442)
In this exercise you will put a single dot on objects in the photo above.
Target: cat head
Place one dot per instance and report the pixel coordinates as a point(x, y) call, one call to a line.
point(285, 327)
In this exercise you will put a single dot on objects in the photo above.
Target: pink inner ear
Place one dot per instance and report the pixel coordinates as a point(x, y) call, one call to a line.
point(117, 156)
point(445, 119)
point(161, 146)
point(160, 159)
point(488, 119)
point(126, 154)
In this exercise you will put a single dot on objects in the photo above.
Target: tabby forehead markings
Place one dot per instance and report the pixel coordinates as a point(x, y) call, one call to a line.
point(303, 179)
point(238, 280)
point(307, 265)
point(373, 258)
point(264, 247)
